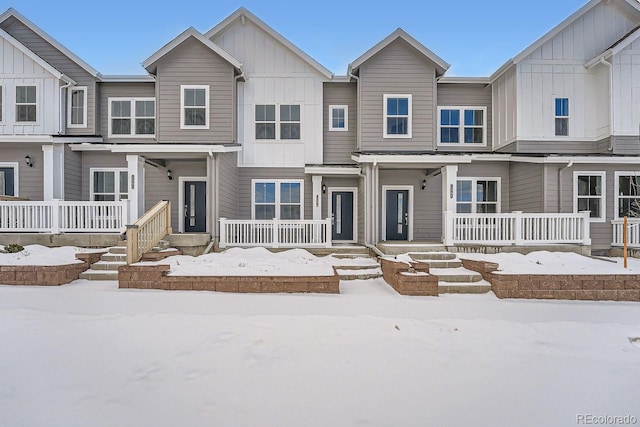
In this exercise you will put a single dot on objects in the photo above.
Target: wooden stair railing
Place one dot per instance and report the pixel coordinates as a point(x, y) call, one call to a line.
point(147, 231)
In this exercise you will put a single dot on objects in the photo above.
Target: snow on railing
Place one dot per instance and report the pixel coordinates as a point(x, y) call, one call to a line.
point(633, 232)
point(58, 216)
point(517, 228)
point(275, 233)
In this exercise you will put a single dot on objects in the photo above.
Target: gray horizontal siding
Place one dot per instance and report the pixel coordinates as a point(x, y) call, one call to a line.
point(123, 90)
point(228, 185)
point(31, 184)
point(626, 145)
point(338, 145)
point(467, 95)
point(397, 69)
point(192, 63)
point(526, 187)
point(72, 174)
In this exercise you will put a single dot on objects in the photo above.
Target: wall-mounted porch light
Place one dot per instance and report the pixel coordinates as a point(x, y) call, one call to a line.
point(324, 189)
point(169, 174)
point(28, 161)
point(424, 183)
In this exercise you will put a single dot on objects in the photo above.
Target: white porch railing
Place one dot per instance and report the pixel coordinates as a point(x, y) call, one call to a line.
point(633, 232)
point(57, 216)
point(517, 228)
point(275, 233)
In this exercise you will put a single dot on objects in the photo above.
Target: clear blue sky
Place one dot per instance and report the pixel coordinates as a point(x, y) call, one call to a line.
point(475, 37)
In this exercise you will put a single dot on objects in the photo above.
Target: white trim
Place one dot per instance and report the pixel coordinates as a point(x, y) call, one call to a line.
point(2, 102)
point(277, 183)
point(155, 148)
point(278, 122)
point(461, 126)
point(181, 181)
point(385, 97)
point(474, 191)
point(383, 225)
point(36, 122)
point(69, 107)
point(132, 117)
point(353, 190)
point(16, 175)
point(602, 197)
point(332, 170)
point(206, 106)
point(616, 190)
point(346, 118)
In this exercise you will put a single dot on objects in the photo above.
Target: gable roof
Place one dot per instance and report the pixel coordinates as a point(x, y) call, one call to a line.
point(630, 4)
point(615, 48)
point(244, 13)
point(35, 58)
point(441, 65)
point(190, 32)
point(11, 12)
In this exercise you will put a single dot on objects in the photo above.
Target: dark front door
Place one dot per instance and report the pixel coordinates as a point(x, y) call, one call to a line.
point(342, 219)
point(397, 215)
point(6, 182)
point(195, 206)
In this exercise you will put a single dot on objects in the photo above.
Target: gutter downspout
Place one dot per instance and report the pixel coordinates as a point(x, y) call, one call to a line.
point(357, 79)
point(560, 198)
point(62, 105)
point(609, 65)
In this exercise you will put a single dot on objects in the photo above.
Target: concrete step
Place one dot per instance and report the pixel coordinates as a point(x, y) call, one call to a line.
point(367, 266)
point(481, 287)
point(361, 274)
point(432, 256)
point(397, 248)
point(442, 264)
point(109, 257)
point(92, 274)
point(118, 250)
point(350, 256)
point(104, 265)
point(456, 275)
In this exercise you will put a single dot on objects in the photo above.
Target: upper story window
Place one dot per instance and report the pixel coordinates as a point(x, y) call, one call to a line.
point(194, 110)
point(462, 125)
point(338, 117)
point(277, 199)
point(26, 104)
point(627, 194)
point(562, 116)
point(132, 117)
point(589, 194)
point(478, 195)
point(397, 116)
point(277, 122)
point(77, 107)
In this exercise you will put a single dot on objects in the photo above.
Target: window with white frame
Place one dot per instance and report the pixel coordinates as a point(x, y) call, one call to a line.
point(589, 194)
point(562, 116)
point(108, 185)
point(277, 122)
point(627, 191)
point(397, 116)
point(77, 107)
point(462, 125)
point(26, 104)
point(478, 195)
point(194, 110)
point(281, 199)
point(338, 118)
point(132, 117)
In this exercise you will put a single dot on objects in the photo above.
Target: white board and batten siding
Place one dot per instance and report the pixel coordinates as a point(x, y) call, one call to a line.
point(504, 99)
point(17, 69)
point(626, 91)
point(274, 75)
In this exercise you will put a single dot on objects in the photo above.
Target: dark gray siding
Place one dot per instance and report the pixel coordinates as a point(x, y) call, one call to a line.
point(31, 184)
point(467, 95)
point(397, 69)
point(626, 145)
point(59, 61)
point(192, 63)
point(490, 170)
point(338, 145)
point(72, 174)
point(228, 185)
point(526, 187)
point(123, 90)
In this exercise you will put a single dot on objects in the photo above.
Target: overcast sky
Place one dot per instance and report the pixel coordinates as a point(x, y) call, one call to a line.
point(475, 37)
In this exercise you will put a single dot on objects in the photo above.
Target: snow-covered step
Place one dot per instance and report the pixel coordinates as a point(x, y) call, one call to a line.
point(92, 274)
point(454, 263)
point(350, 256)
point(111, 257)
point(118, 250)
point(390, 248)
point(481, 287)
point(359, 274)
point(433, 256)
point(457, 275)
point(107, 265)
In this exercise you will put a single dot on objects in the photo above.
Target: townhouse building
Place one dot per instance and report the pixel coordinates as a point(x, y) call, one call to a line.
point(256, 143)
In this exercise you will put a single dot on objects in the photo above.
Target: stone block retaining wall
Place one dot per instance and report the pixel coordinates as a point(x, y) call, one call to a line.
point(45, 275)
point(405, 281)
point(600, 287)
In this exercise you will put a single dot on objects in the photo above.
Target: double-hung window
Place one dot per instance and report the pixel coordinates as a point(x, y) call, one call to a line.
point(77, 107)
point(109, 185)
point(562, 116)
point(462, 125)
point(194, 107)
point(132, 117)
point(338, 118)
point(26, 104)
point(397, 116)
point(627, 190)
point(589, 194)
point(281, 199)
point(277, 122)
point(478, 195)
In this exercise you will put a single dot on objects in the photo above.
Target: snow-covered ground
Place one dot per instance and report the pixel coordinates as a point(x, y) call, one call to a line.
point(89, 354)
point(42, 255)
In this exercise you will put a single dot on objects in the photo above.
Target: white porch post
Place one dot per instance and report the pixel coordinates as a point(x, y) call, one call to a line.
point(136, 186)
point(53, 171)
point(449, 177)
point(317, 196)
point(212, 196)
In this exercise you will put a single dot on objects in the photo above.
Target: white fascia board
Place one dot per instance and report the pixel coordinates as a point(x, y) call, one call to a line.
point(173, 148)
point(12, 12)
point(26, 138)
point(78, 140)
point(578, 160)
point(331, 170)
point(129, 79)
point(243, 11)
point(412, 158)
point(465, 80)
point(85, 146)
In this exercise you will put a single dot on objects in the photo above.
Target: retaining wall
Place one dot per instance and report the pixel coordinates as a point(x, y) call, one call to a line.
point(409, 279)
point(44, 275)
